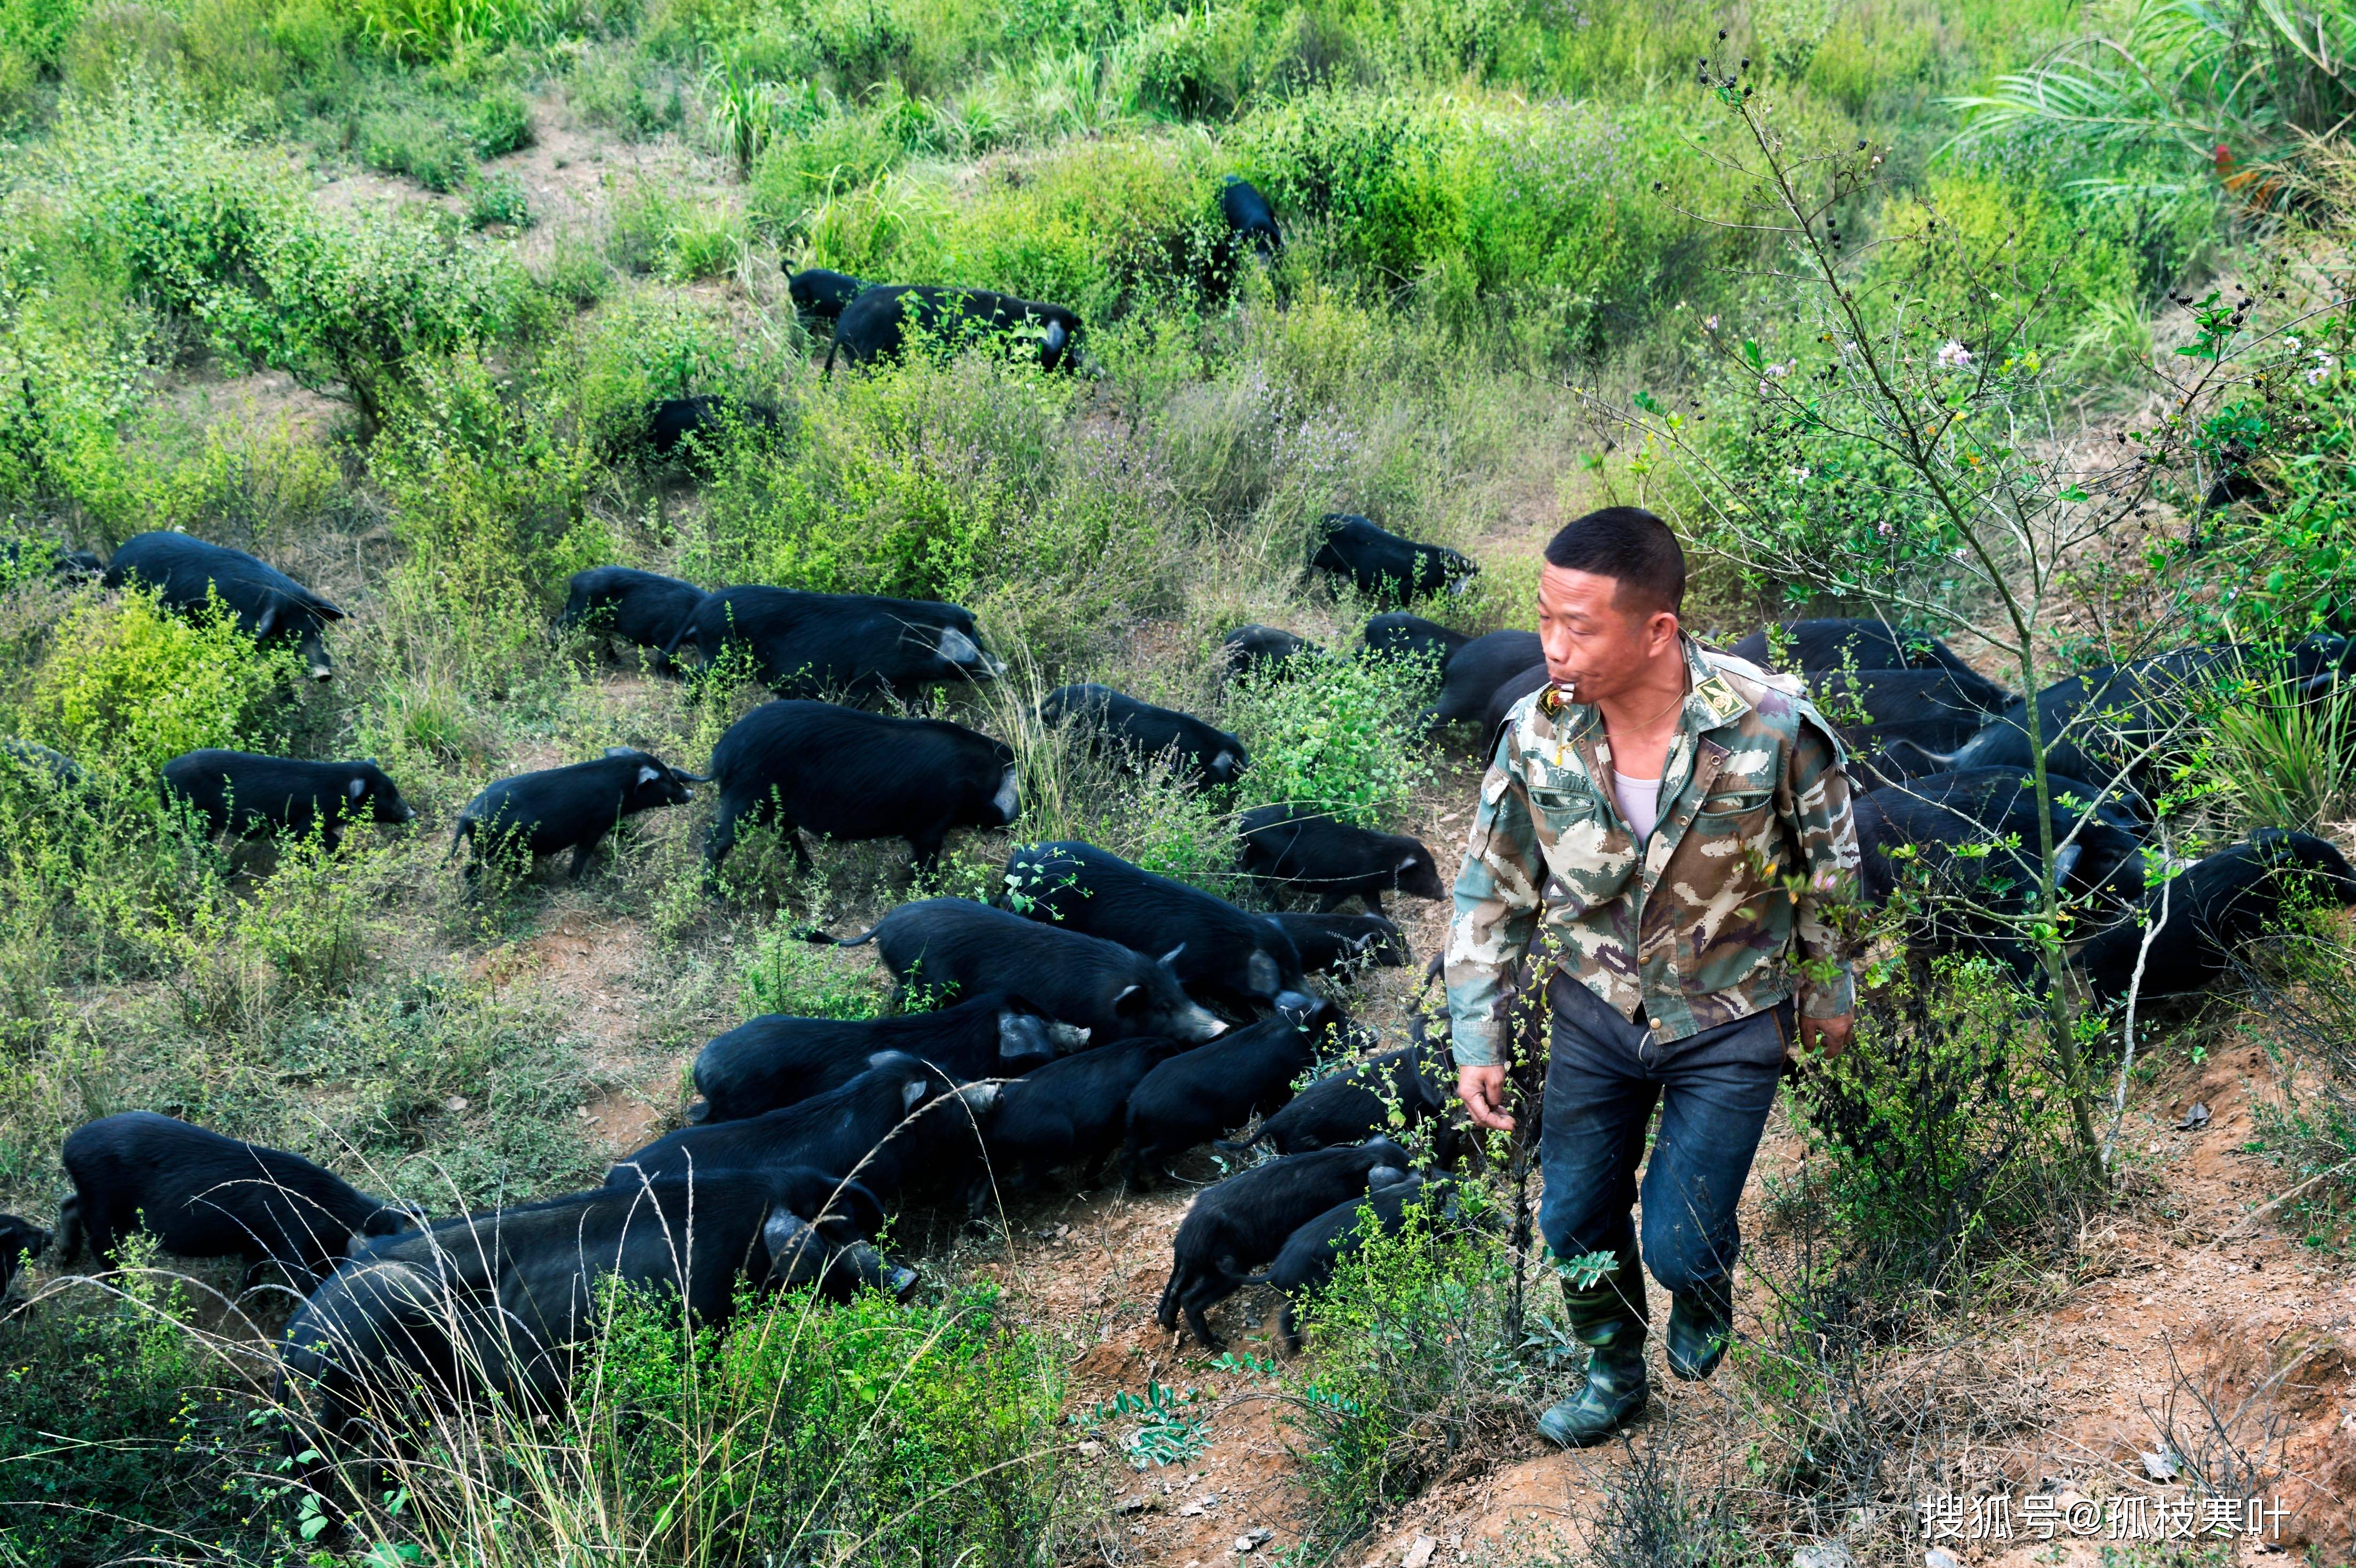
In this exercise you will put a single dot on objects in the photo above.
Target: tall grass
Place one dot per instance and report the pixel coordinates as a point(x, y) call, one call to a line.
point(2286, 759)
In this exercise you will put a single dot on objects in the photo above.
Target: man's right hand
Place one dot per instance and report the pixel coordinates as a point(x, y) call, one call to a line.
point(1483, 1090)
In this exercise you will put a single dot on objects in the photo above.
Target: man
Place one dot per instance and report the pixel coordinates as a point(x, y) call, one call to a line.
point(1674, 826)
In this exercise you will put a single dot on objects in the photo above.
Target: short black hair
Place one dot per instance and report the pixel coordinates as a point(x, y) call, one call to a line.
point(1632, 547)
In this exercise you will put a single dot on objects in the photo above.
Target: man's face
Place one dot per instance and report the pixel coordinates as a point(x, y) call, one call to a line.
point(1593, 645)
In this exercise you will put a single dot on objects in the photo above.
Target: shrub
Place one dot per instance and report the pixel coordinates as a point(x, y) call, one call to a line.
point(973, 481)
point(495, 199)
point(438, 29)
point(421, 145)
point(491, 505)
point(1539, 209)
point(127, 685)
point(1413, 1359)
point(250, 488)
point(1943, 1145)
point(1333, 733)
point(499, 122)
point(122, 1441)
point(232, 243)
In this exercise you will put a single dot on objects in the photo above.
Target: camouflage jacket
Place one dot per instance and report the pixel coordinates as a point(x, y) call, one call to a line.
point(1697, 925)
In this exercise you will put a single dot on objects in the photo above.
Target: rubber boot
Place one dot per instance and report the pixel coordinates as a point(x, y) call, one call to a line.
point(1609, 1319)
point(1701, 1321)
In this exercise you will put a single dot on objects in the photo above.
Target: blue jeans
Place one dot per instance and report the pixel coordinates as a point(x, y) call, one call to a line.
point(1604, 1077)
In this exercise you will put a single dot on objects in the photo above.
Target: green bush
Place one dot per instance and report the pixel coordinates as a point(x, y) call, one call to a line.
point(421, 145)
point(1479, 202)
point(127, 685)
point(123, 1438)
point(1944, 1157)
point(491, 505)
point(497, 199)
point(228, 240)
point(973, 481)
point(37, 30)
point(865, 1432)
point(1333, 733)
point(499, 122)
point(1413, 1356)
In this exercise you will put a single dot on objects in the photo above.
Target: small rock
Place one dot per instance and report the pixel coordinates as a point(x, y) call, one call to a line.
point(455, 1103)
point(1940, 1557)
point(1822, 1555)
point(1254, 1539)
point(2194, 1119)
point(1200, 1505)
point(1091, 1447)
point(1136, 1504)
point(1419, 1554)
point(2161, 1466)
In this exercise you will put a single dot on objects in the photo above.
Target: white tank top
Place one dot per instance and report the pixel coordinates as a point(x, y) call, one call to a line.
point(1640, 802)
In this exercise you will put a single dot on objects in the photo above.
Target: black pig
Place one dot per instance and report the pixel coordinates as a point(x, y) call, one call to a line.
point(1475, 671)
point(1072, 1112)
point(19, 1239)
point(875, 324)
point(700, 424)
point(1204, 755)
point(643, 608)
point(1399, 635)
point(1306, 1264)
point(2223, 902)
point(954, 945)
point(1249, 216)
point(1384, 564)
point(1246, 1220)
point(774, 1060)
point(1341, 943)
point(568, 808)
point(855, 776)
point(188, 574)
point(1858, 642)
point(1261, 648)
point(819, 293)
point(858, 645)
point(899, 1127)
point(253, 793)
point(202, 1195)
point(1305, 850)
point(1356, 1103)
point(1225, 954)
point(1191, 1099)
point(497, 1304)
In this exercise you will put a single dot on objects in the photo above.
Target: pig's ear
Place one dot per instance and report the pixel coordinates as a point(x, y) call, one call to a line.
point(620, 751)
point(1170, 957)
point(910, 1092)
point(1131, 997)
point(648, 774)
point(1409, 863)
point(357, 788)
point(783, 1233)
point(268, 624)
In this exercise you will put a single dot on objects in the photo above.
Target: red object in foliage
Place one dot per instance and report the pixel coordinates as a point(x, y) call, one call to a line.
point(2224, 157)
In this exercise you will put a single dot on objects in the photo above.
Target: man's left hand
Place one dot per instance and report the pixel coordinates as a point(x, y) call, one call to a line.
point(1826, 1038)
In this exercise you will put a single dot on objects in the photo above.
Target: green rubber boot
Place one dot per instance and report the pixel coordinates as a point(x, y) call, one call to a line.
point(1609, 1319)
point(1701, 1322)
